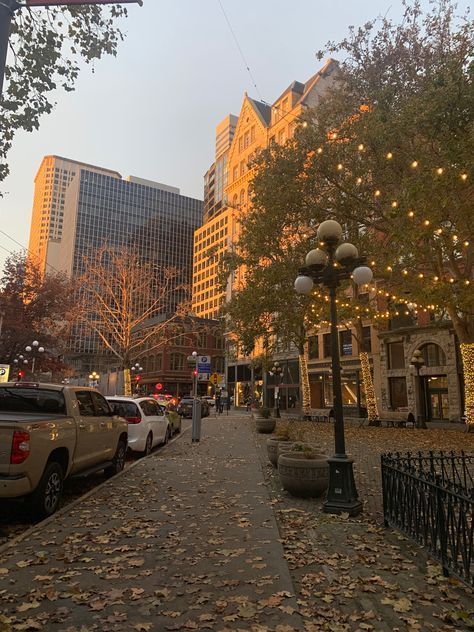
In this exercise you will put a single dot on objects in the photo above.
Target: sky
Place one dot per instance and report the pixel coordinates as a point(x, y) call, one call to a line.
point(152, 111)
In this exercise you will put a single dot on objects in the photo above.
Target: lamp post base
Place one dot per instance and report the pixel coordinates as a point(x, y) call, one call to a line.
point(342, 493)
point(277, 412)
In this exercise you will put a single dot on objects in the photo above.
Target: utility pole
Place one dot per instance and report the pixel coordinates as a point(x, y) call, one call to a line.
point(8, 8)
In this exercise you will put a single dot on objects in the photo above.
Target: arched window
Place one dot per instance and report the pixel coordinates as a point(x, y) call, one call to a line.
point(242, 197)
point(177, 361)
point(433, 355)
point(235, 201)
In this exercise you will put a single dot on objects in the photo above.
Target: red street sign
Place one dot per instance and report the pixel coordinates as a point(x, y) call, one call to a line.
point(55, 3)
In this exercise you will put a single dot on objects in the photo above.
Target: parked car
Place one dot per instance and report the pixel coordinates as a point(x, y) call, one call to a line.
point(49, 432)
point(210, 400)
point(185, 407)
point(149, 423)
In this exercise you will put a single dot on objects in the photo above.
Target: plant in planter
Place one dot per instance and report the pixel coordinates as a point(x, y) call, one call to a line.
point(282, 436)
point(264, 421)
point(304, 472)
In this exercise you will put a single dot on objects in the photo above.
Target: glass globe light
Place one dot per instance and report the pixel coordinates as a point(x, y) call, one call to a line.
point(35, 343)
point(329, 231)
point(303, 284)
point(316, 257)
point(40, 349)
point(346, 253)
point(15, 361)
point(28, 348)
point(25, 361)
point(362, 275)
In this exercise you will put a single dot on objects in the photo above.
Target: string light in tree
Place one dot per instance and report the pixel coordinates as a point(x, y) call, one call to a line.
point(467, 355)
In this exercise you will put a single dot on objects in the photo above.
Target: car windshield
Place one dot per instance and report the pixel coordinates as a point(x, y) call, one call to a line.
point(32, 400)
point(124, 409)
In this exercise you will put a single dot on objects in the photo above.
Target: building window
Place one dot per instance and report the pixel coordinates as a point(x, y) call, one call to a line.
point(313, 347)
point(235, 173)
point(176, 361)
point(433, 355)
point(327, 345)
point(396, 355)
point(398, 392)
point(345, 342)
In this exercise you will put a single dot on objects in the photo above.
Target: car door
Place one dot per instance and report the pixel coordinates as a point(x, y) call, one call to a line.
point(156, 418)
point(107, 436)
point(89, 448)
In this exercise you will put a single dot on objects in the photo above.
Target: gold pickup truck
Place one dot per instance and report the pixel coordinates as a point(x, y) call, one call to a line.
point(49, 432)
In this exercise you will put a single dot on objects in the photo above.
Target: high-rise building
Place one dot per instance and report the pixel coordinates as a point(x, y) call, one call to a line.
point(152, 219)
point(212, 240)
point(258, 125)
point(47, 219)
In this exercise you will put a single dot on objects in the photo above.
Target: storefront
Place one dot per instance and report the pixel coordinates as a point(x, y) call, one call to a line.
point(289, 390)
point(353, 395)
point(241, 378)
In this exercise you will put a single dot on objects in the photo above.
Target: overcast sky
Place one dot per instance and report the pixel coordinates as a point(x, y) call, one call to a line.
point(152, 111)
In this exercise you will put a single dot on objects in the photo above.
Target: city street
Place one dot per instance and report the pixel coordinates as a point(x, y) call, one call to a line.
point(187, 540)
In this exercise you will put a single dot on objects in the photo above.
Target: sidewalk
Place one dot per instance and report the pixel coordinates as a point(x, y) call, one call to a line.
point(185, 540)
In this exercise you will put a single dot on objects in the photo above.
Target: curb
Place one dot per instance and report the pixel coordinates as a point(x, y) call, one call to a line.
point(67, 508)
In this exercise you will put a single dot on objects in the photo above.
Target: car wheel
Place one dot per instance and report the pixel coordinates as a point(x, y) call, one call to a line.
point(167, 435)
point(118, 462)
point(148, 445)
point(46, 497)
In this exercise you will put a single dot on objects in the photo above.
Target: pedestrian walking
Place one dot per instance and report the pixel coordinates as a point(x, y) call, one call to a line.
point(227, 404)
point(218, 403)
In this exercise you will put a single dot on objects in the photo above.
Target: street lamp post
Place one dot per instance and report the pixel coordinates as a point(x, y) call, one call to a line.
point(94, 379)
point(418, 361)
point(137, 371)
point(329, 266)
point(277, 371)
point(34, 348)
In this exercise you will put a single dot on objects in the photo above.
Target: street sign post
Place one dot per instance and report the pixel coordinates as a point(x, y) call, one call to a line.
point(204, 368)
point(8, 8)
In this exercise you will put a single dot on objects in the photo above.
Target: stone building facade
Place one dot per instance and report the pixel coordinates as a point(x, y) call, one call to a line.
point(438, 396)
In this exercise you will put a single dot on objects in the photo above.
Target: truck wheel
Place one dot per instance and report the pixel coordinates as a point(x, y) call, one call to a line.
point(118, 461)
point(45, 499)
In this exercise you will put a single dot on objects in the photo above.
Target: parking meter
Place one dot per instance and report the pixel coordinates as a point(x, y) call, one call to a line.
point(196, 427)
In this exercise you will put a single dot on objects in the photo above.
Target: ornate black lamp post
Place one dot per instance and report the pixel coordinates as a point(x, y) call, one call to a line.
point(34, 348)
point(329, 266)
point(418, 361)
point(277, 371)
point(137, 371)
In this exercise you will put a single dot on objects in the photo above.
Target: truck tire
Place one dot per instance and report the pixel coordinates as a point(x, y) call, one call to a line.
point(45, 500)
point(118, 461)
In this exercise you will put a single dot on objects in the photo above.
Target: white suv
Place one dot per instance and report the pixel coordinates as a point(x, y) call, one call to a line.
point(148, 425)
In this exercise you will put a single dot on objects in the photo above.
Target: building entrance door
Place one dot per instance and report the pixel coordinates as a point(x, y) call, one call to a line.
point(437, 398)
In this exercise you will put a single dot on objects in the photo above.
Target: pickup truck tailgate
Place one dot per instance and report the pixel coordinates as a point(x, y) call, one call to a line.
point(6, 435)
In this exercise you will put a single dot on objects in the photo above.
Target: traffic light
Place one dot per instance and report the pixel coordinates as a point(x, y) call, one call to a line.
point(20, 375)
point(195, 373)
point(159, 386)
point(138, 378)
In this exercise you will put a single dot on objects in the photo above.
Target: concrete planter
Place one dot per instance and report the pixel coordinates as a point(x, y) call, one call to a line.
point(265, 426)
point(272, 449)
point(303, 477)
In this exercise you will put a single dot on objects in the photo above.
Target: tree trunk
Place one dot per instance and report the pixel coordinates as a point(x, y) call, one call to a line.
point(370, 399)
point(304, 379)
point(127, 384)
point(467, 354)
point(368, 382)
point(464, 329)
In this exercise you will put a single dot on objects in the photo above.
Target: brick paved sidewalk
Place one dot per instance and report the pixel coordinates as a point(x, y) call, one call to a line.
point(185, 540)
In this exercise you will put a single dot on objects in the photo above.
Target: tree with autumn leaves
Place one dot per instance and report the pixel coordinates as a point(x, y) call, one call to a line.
point(34, 306)
point(388, 153)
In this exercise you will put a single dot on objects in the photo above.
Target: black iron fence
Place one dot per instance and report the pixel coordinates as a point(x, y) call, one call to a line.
point(430, 498)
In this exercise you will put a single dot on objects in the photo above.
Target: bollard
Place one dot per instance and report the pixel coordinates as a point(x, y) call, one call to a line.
point(196, 427)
